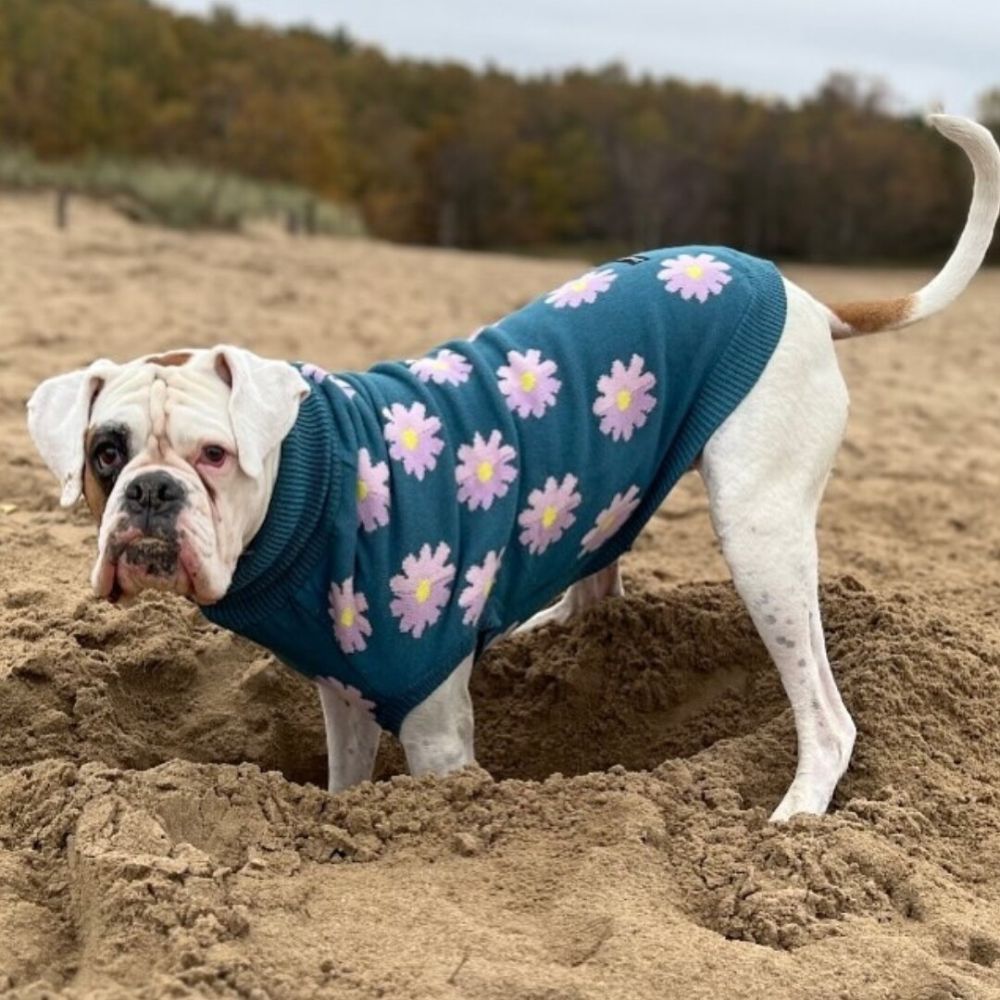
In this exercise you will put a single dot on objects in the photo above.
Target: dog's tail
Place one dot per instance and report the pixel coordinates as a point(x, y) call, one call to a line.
point(850, 319)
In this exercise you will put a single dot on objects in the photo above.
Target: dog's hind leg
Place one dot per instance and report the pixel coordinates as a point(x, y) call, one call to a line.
point(585, 593)
point(765, 469)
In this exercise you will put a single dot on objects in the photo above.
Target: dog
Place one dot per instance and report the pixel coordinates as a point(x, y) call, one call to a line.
point(378, 530)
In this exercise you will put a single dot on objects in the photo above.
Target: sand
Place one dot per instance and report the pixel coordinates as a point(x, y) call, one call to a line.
point(164, 831)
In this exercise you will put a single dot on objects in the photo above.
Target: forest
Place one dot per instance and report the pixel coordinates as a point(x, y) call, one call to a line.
point(439, 153)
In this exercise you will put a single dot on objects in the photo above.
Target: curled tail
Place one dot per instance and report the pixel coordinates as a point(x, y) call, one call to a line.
point(849, 319)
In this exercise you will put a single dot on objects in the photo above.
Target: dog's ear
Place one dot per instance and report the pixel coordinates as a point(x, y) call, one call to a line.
point(263, 403)
point(58, 413)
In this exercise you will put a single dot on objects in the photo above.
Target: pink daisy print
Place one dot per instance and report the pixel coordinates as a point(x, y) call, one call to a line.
point(485, 470)
point(695, 277)
point(348, 695)
point(445, 366)
point(314, 372)
point(480, 580)
point(422, 589)
point(372, 492)
point(345, 387)
point(317, 375)
point(586, 288)
point(549, 513)
point(624, 399)
point(611, 519)
point(350, 626)
point(528, 381)
point(413, 438)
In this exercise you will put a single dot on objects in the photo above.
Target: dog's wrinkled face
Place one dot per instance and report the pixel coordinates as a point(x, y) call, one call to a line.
point(176, 455)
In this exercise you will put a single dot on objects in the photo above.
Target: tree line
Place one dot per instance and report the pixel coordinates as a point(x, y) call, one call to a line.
point(439, 153)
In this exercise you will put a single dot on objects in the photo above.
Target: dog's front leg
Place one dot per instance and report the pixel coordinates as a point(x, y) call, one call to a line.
point(437, 734)
point(352, 737)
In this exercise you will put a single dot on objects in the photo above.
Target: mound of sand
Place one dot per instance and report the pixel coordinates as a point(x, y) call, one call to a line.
point(163, 828)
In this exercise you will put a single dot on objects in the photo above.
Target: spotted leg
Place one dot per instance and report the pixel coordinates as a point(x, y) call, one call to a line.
point(765, 469)
point(584, 594)
point(352, 737)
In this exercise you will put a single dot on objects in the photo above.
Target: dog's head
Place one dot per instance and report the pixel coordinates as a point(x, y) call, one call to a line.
point(176, 455)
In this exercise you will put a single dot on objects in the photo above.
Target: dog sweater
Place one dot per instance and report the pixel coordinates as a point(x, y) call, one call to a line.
point(424, 507)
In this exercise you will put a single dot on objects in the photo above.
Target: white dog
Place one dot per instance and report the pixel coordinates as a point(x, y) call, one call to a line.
point(181, 457)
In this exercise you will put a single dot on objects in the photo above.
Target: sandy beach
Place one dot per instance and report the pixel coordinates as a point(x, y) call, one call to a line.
point(164, 825)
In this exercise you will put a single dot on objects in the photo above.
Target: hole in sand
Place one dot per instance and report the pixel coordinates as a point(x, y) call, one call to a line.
point(634, 681)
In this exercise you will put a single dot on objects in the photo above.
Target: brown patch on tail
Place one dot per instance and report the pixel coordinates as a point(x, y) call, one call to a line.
point(870, 317)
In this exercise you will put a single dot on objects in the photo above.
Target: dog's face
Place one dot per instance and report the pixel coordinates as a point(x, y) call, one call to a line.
point(176, 455)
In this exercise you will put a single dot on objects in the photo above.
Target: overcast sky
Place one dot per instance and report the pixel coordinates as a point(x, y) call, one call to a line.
point(929, 52)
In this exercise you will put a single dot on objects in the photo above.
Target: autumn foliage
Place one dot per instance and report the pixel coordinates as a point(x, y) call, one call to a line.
point(439, 153)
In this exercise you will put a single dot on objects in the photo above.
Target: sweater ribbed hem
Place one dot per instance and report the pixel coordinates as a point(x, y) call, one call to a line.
point(735, 373)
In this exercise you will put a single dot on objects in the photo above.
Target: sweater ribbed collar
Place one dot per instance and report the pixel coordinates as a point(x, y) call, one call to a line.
point(298, 526)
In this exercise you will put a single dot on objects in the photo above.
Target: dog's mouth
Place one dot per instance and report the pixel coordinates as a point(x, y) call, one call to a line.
point(155, 557)
point(135, 562)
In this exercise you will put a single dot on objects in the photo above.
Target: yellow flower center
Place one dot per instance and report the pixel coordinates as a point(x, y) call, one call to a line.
point(423, 591)
point(362, 489)
point(484, 472)
point(580, 285)
point(410, 439)
point(347, 617)
point(549, 516)
point(487, 587)
point(528, 380)
point(694, 271)
point(606, 523)
point(623, 400)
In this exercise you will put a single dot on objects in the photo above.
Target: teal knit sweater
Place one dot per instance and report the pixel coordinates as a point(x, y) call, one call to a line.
point(424, 507)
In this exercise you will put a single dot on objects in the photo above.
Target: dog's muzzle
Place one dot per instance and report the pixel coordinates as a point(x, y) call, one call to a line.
point(146, 547)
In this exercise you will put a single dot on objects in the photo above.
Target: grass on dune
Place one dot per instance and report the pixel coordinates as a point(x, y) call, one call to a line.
point(181, 196)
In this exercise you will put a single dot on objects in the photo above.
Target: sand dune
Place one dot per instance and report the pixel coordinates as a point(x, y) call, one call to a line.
point(163, 828)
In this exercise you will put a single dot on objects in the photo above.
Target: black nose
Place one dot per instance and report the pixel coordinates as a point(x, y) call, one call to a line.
point(153, 496)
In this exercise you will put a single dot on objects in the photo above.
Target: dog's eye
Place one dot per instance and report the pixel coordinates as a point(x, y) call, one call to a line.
point(213, 454)
point(108, 457)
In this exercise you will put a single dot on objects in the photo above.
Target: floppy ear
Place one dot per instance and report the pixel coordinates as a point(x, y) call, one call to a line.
point(263, 404)
point(58, 413)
